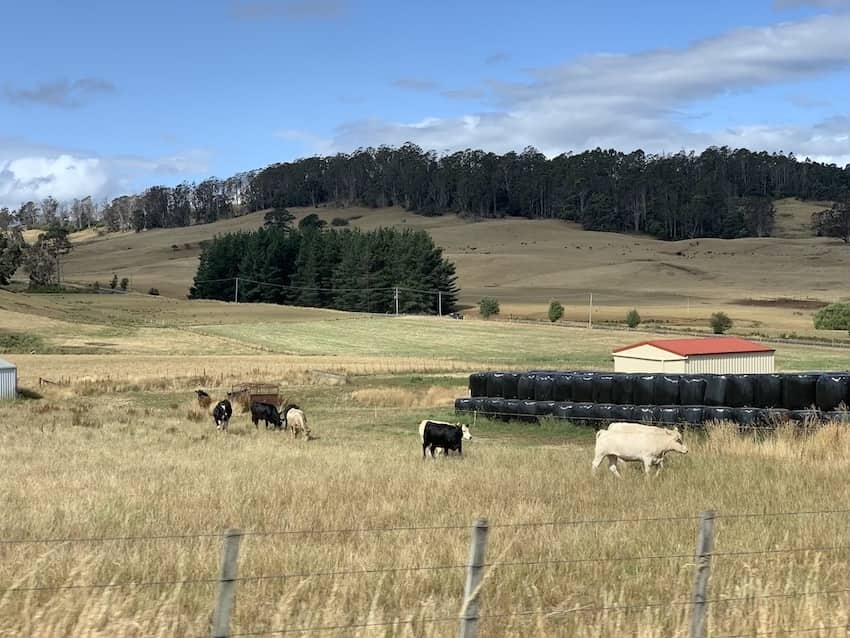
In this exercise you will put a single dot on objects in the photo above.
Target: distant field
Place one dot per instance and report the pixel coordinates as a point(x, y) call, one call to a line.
point(760, 283)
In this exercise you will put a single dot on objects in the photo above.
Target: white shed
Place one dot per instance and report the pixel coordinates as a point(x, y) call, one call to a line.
point(708, 355)
point(8, 380)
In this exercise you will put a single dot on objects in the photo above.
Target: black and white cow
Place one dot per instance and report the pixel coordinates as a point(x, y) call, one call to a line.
point(265, 412)
point(439, 434)
point(221, 414)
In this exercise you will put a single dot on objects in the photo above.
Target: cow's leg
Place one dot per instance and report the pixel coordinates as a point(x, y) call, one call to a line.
point(647, 464)
point(612, 465)
point(596, 462)
point(424, 445)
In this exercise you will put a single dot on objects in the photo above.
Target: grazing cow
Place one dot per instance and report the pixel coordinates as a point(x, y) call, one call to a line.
point(648, 447)
point(221, 414)
point(439, 434)
point(286, 409)
point(626, 426)
point(265, 412)
point(204, 400)
point(298, 423)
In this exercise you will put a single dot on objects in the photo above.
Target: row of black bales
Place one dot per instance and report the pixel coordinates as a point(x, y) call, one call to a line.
point(601, 414)
point(825, 391)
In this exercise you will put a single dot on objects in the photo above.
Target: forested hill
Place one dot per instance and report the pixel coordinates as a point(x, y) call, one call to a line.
point(718, 193)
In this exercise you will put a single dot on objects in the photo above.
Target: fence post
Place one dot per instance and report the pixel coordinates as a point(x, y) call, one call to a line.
point(474, 572)
point(226, 584)
point(705, 546)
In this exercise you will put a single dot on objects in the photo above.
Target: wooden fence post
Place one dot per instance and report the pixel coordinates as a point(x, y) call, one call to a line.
point(474, 572)
point(705, 546)
point(226, 584)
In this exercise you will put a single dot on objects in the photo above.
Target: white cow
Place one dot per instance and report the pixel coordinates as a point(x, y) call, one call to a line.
point(297, 421)
point(627, 426)
point(642, 443)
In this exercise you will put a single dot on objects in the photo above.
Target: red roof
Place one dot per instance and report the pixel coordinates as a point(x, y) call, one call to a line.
point(706, 345)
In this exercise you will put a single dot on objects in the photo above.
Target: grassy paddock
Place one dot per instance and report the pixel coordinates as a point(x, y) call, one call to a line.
point(134, 463)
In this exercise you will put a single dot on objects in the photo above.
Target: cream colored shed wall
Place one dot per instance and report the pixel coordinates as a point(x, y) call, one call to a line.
point(738, 363)
point(648, 358)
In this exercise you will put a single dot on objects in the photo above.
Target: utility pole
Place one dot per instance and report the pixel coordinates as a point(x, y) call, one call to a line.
point(590, 313)
point(395, 294)
point(236, 297)
point(440, 303)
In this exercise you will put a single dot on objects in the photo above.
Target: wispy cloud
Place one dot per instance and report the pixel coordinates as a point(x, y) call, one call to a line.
point(415, 84)
point(497, 58)
point(289, 9)
point(635, 100)
point(61, 94)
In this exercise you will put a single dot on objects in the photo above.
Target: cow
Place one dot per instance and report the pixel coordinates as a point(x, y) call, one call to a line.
point(221, 414)
point(627, 426)
point(204, 399)
point(647, 445)
point(286, 409)
point(439, 434)
point(298, 423)
point(265, 412)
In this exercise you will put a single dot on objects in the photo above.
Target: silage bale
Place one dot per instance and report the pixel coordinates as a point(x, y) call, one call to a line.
point(603, 414)
point(510, 383)
point(565, 410)
point(478, 384)
point(511, 408)
point(668, 415)
point(644, 413)
point(623, 412)
point(543, 385)
point(546, 408)
point(583, 387)
point(623, 393)
point(768, 390)
point(740, 390)
point(748, 417)
point(494, 384)
point(837, 416)
point(644, 389)
point(463, 405)
point(603, 385)
point(718, 413)
point(691, 389)
point(693, 415)
point(831, 391)
point(665, 389)
point(494, 407)
point(478, 404)
point(528, 411)
point(525, 386)
point(562, 389)
point(715, 390)
point(583, 413)
point(799, 390)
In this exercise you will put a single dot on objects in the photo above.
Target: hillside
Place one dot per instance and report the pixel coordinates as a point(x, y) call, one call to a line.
point(524, 263)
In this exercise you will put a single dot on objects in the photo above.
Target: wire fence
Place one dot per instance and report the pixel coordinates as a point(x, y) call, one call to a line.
point(696, 603)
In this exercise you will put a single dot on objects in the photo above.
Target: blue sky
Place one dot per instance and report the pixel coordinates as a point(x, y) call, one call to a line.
point(104, 98)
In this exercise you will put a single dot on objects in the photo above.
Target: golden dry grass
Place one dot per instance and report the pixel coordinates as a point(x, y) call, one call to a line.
point(405, 398)
point(150, 462)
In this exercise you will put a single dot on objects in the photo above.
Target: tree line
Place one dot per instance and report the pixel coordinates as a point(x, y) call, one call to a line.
point(721, 192)
point(327, 268)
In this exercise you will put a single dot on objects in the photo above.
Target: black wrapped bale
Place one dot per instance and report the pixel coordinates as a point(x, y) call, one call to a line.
point(831, 391)
point(838, 416)
point(510, 383)
point(525, 386)
point(715, 390)
point(643, 389)
point(463, 405)
point(644, 413)
point(603, 414)
point(478, 404)
point(623, 413)
point(562, 389)
point(692, 415)
point(511, 409)
point(546, 408)
point(799, 390)
point(768, 391)
point(622, 393)
point(583, 387)
point(478, 384)
point(665, 389)
point(528, 411)
point(691, 390)
point(583, 413)
point(718, 413)
point(494, 407)
point(543, 386)
point(669, 414)
point(603, 386)
point(774, 417)
point(494, 384)
point(565, 410)
point(748, 417)
point(805, 418)
point(740, 391)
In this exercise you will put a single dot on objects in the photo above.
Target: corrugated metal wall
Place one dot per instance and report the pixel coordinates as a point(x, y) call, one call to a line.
point(639, 366)
point(743, 363)
point(8, 383)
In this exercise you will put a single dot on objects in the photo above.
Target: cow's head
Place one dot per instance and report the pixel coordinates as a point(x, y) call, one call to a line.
point(676, 443)
point(466, 434)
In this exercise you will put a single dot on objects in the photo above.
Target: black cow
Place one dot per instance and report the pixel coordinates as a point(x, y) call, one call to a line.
point(265, 412)
point(439, 434)
point(204, 399)
point(221, 414)
point(287, 408)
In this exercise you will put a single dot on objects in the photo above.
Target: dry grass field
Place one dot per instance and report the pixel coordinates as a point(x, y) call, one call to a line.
point(770, 286)
point(120, 449)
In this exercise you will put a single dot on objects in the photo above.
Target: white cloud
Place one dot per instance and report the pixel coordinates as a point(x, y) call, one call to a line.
point(635, 100)
point(32, 171)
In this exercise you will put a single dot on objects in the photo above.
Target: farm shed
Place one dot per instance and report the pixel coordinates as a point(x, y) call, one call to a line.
point(709, 355)
point(8, 380)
